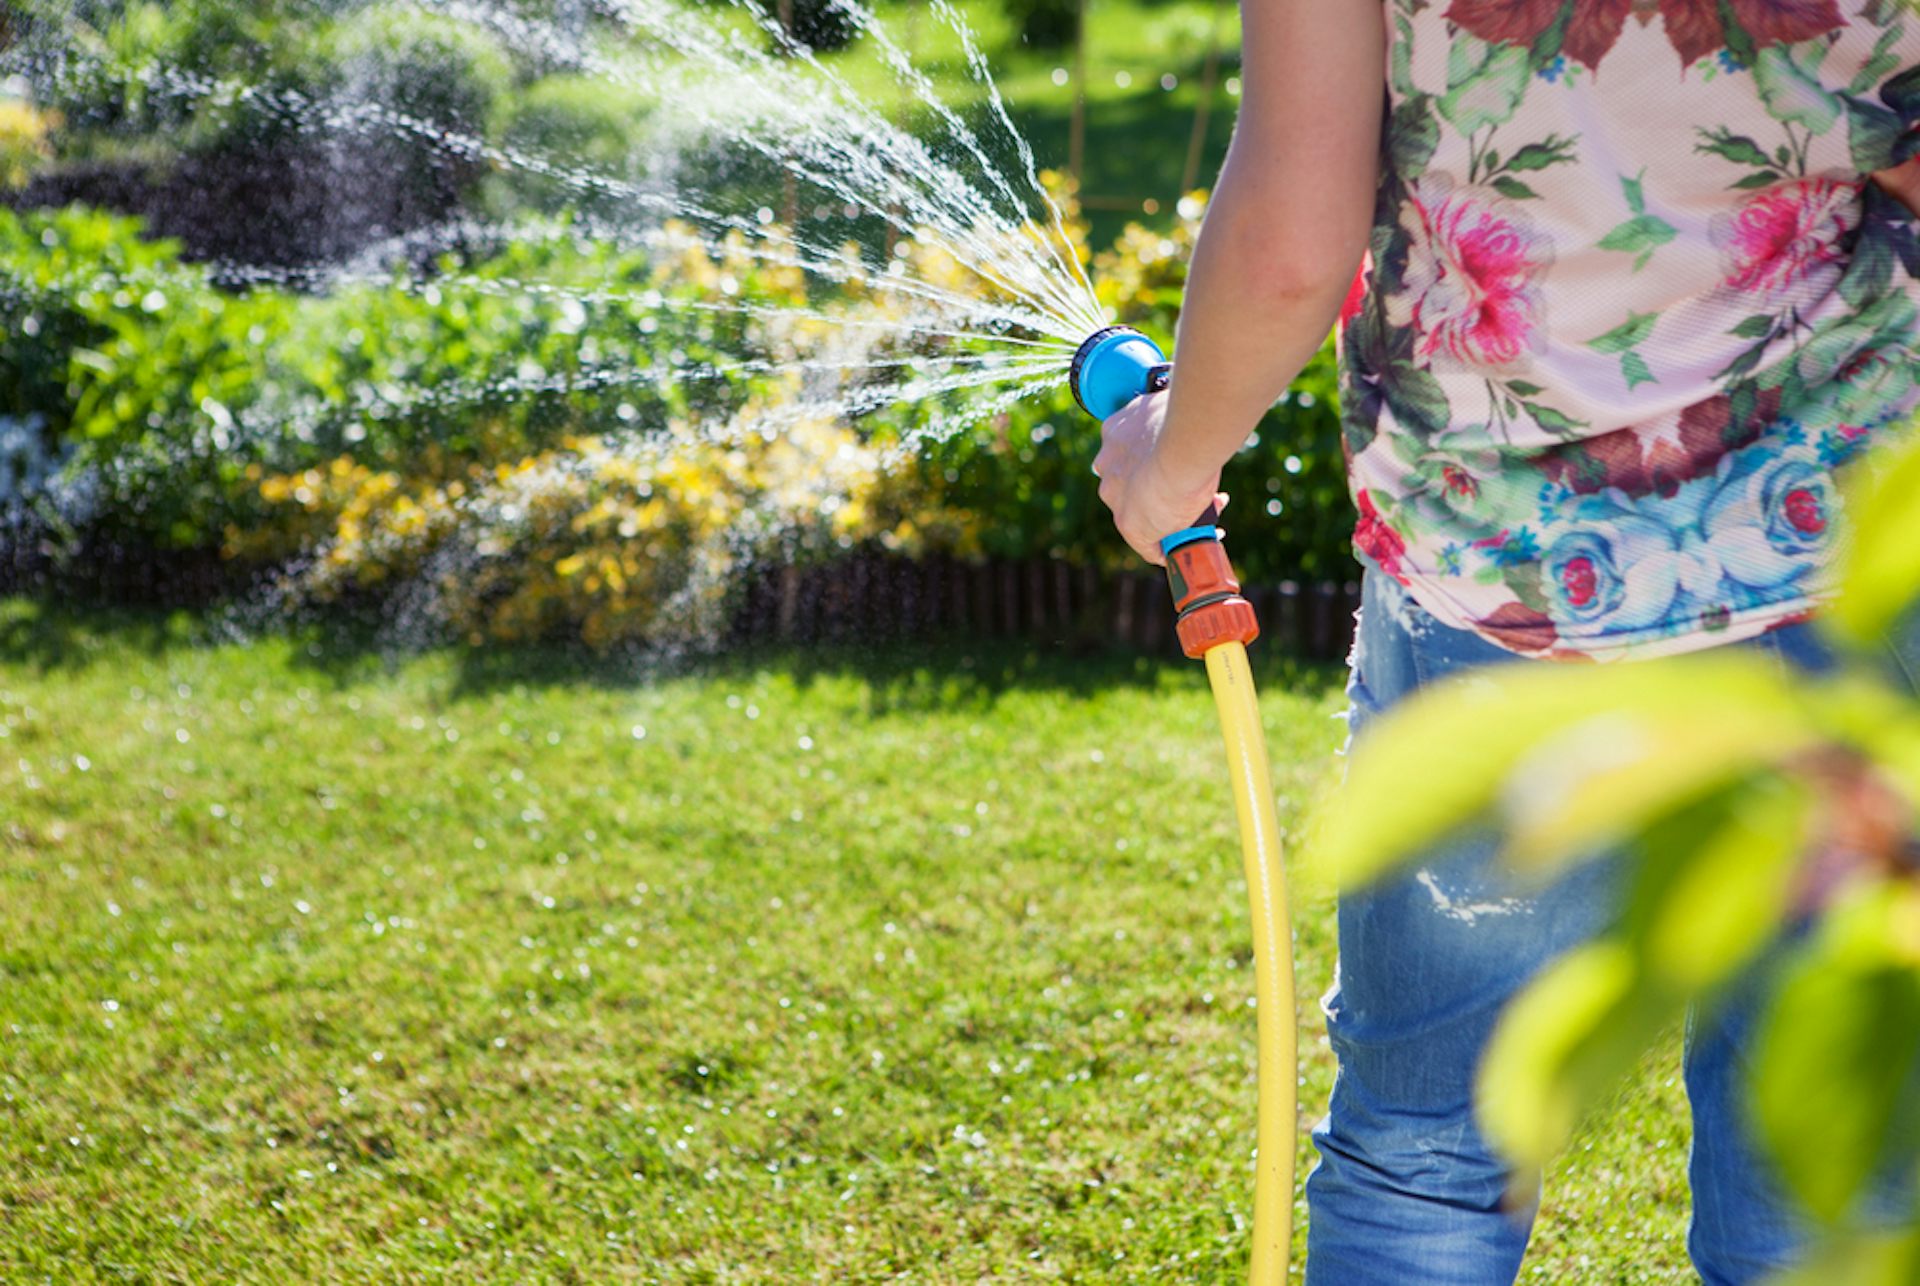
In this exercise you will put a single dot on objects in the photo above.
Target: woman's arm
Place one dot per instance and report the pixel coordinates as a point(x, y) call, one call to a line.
point(1277, 252)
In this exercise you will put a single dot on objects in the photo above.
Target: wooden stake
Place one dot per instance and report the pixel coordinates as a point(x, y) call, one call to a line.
point(1077, 132)
point(1209, 75)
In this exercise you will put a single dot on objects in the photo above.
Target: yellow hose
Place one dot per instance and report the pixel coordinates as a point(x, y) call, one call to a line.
point(1233, 693)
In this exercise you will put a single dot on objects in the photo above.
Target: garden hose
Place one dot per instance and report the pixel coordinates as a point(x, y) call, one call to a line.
point(1111, 368)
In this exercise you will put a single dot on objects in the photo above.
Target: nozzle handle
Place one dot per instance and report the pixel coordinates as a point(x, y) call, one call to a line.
point(1208, 607)
point(1205, 527)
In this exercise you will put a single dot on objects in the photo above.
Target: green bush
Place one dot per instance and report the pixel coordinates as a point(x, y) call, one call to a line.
point(171, 389)
point(582, 121)
point(266, 44)
point(440, 70)
point(182, 402)
point(445, 72)
point(1045, 24)
point(820, 25)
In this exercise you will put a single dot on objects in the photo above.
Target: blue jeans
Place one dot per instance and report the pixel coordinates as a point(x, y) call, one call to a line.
point(1406, 1192)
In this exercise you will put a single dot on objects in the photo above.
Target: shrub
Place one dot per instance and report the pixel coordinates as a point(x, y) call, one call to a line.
point(479, 433)
point(579, 121)
point(821, 25)
point(24, 144)
point(169, 389)
point(262, 44)
point(1045, 24)
point(438, 69)
point(593, 540)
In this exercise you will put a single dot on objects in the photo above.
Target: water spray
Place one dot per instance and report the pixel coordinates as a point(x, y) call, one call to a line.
point(1215, 623)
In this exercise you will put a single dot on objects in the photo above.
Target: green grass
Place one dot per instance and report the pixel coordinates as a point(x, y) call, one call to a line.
point(929, 965)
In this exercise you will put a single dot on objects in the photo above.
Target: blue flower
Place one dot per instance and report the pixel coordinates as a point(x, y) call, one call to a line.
point(1730, 62)
point(1770, 520)
point(1552, 72)
point(1553, 497)
point(1614, 566)
point(1519, 547)
point(1837, 446)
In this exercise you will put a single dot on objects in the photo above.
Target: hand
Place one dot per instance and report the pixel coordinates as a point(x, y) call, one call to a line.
point(1135, 482)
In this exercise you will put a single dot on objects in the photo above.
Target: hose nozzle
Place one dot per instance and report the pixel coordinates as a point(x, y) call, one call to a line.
point(1112, 367)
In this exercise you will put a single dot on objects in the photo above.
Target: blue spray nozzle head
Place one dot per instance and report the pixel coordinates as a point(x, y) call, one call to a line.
point(1114, 366)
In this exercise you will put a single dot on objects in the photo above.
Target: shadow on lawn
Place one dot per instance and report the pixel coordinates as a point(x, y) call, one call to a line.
point(909, 675)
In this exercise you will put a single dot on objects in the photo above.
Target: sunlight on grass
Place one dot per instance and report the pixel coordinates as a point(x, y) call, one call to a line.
point(789, 968)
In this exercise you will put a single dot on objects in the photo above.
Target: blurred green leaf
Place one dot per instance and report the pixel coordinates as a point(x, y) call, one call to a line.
point(1836, 1055)
point(1562, 1044)
point(1726, 890)
point(1880, 572)
point(1887, 1259)
point(1567, 759)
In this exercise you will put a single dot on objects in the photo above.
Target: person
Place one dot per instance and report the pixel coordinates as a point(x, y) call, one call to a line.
point(1619, 286)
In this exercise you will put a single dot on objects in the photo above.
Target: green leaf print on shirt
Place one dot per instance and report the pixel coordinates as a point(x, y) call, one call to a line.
point(1412, 136)
point(1883, 62)
point(1484, 84)
point(1872, 133)
point(1788, 78)
point(1635, 330)
point(1644, 233)
point(1737, 148)
point(1623, 340)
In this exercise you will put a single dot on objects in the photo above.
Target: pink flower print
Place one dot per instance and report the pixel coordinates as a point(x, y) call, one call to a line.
point(1459, 481)
point(1378, 541)
point(1787, 234)
point(1357, 292)
point(1580, 581)
point(1471, 289)
point(1805, 511)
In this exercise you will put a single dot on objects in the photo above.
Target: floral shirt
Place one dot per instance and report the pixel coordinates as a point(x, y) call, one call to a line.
point(1629, 304)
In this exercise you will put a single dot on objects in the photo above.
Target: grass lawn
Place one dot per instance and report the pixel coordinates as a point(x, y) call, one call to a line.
point(797, 967)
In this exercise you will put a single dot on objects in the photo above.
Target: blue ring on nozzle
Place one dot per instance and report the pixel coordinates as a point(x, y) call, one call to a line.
point(1112, 367)
point(1186, 536)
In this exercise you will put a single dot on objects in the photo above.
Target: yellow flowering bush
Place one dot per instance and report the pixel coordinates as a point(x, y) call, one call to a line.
point(1142, 277)
point(599, 540)
point(24, 140)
